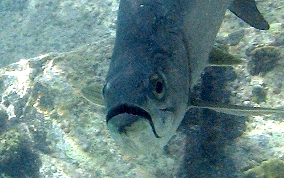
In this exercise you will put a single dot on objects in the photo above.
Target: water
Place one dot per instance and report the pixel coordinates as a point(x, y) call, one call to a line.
point(48, 128)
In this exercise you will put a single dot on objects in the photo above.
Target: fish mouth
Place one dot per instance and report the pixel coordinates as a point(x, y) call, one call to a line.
point(133, 113)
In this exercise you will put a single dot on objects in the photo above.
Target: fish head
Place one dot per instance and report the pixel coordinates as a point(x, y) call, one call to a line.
point(146, 96)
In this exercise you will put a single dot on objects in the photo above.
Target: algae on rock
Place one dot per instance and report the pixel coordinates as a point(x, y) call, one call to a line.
point(273, 168)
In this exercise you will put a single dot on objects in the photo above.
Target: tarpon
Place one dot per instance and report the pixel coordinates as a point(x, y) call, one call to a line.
point(161, 49)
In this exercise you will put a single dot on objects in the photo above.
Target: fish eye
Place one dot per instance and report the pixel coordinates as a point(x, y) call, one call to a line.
point(157, 86)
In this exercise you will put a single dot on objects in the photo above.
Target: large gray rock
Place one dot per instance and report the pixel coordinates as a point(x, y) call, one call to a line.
point(30, 28)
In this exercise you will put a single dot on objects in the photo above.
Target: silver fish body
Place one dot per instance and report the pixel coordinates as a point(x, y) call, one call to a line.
point(161, 48)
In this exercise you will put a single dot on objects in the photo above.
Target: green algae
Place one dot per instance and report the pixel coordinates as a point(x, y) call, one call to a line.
point(259, 95)
point(220, 57)
point(272, 168)
point(3, 120)
point(263, 60)
point(17, 157)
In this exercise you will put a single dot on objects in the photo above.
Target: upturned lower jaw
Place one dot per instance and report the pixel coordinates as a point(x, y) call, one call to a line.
point(136, 136)
point(121, 119)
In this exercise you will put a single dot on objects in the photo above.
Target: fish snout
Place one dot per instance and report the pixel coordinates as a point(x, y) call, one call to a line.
point(125, 88)
point(122, 118)
point(132, 127)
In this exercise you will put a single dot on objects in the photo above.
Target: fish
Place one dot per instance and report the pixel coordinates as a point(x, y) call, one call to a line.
point(160, 51)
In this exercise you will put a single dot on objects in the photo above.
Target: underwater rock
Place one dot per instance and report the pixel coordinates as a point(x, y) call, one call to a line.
point(235, 37)
point(30, 28)
point(70, 132)
point(263, 60)
point(17, 157)
point(67, 134)
point(259, 95)
point(8, 5)
point(3, 120)
point(44, 96)
point(273, 168)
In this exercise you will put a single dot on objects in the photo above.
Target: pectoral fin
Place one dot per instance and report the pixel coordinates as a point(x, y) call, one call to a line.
point(93, 93)
point(234, 109)
point(248, 12)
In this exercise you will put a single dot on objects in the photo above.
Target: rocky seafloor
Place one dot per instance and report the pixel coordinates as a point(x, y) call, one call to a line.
point(49, 128)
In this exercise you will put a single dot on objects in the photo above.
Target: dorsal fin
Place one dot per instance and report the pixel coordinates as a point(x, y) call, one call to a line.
point(248, 12)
